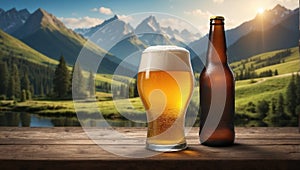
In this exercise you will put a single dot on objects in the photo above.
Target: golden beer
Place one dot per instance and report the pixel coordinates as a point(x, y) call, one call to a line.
point(165, 87)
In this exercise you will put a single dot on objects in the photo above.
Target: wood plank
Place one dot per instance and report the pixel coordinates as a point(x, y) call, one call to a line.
point(70, 147)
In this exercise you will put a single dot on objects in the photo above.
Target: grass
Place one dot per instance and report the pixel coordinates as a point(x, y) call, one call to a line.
point(9, 44)
point(115, 80)
point(291, 62)
point(262, 89)
point(246, 91)
point(283, 68)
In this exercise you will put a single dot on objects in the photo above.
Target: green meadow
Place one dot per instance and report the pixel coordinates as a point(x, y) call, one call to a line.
point(250, 90)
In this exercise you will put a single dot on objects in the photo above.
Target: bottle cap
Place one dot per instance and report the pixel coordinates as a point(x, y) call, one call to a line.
point(217, 18)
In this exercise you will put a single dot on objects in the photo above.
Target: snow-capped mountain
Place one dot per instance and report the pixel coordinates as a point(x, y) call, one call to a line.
point(148, 25)
point(150, 32)
point(184, 36)
point(12, 19)
point(108, 33)
point(115, 23)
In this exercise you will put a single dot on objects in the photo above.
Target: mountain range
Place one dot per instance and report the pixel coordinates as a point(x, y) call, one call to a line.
point(49, 36)
point(277, 28)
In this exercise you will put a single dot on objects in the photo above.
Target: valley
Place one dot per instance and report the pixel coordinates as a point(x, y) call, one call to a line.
point(33, 43)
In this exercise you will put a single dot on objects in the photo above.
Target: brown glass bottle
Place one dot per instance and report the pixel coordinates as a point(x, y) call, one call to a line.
point(217, 91)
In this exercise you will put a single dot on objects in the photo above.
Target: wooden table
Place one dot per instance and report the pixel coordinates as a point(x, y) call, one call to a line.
point(70, 148)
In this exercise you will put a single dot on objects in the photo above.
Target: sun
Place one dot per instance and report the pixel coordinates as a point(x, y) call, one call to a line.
point(260, 10)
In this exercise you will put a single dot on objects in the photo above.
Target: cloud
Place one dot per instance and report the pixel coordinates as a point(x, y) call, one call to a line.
point(125, 18)
point(94, 9)
point(82, 22)
point(106, 11)
point(218, 1)
point(177, 24)
point(103, 10)
point(199, 13)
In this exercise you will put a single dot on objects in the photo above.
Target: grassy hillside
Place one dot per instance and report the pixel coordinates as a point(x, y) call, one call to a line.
point(259, 63)
point(259, 89)
point(251, 90)
point(11, 45)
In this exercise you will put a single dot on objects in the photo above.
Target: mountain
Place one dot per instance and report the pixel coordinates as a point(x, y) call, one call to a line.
point(118, 25)
point(272, 30)
point(184, 36)
point(148, 24)
point(283, 34)
point(150, 32)
point(115, 36)
point(109, 32)
point(39, 68)
point(261, 22)
point(10, 46)
point(121, 40)
point(12, 19)
point(46, 34)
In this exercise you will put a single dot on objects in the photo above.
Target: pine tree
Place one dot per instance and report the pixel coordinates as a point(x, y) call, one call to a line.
point(263, 108)
point(11, 89)
point(78, 83)
point(273, 105)
point(91, 84)
point(25, 85)
point(23, 96)
point(14, 83)
point(136, 92)
point(280, 104)
point(41, 92)
point(123, 91)
point(4, 78)
point(291, 96)
point(61, 81)
point(277, 109)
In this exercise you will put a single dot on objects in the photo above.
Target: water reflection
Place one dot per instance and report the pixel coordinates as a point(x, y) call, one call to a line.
point(34, 120)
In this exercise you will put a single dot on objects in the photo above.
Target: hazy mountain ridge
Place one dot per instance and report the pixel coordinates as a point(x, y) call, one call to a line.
point(12, 47)
point(12, 19)
point(275, 29)
point(45, 33)
point(282, 34)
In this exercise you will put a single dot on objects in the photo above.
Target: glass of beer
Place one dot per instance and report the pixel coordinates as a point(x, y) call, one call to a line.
point(165, 85)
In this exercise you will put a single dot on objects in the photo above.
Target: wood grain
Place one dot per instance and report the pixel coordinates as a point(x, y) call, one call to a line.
point(70, 147)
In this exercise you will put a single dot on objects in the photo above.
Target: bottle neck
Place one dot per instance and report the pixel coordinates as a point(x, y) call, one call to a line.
point(216, 53)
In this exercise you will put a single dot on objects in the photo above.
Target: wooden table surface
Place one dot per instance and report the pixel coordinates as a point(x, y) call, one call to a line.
point(70, 147)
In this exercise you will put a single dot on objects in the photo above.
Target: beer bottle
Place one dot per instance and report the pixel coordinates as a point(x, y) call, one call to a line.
point(216, 91)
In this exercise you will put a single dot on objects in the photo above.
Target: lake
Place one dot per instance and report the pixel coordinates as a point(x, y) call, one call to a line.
point(34, 120)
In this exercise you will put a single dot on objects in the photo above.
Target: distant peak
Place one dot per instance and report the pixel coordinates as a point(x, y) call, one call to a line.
point(151, 17)
point(40, 10)
point(12, 10)
point(279, 7)
point(115, 17)
point(24, 11)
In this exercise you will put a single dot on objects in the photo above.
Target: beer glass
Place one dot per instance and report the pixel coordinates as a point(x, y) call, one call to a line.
point(165, 85)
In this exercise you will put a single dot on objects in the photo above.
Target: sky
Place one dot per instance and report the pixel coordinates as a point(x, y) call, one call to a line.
point(87, 13)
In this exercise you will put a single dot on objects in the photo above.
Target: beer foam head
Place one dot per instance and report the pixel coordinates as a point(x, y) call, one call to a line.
point(164, 57)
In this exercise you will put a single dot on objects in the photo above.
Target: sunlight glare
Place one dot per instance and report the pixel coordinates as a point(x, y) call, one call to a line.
point(260, 10)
